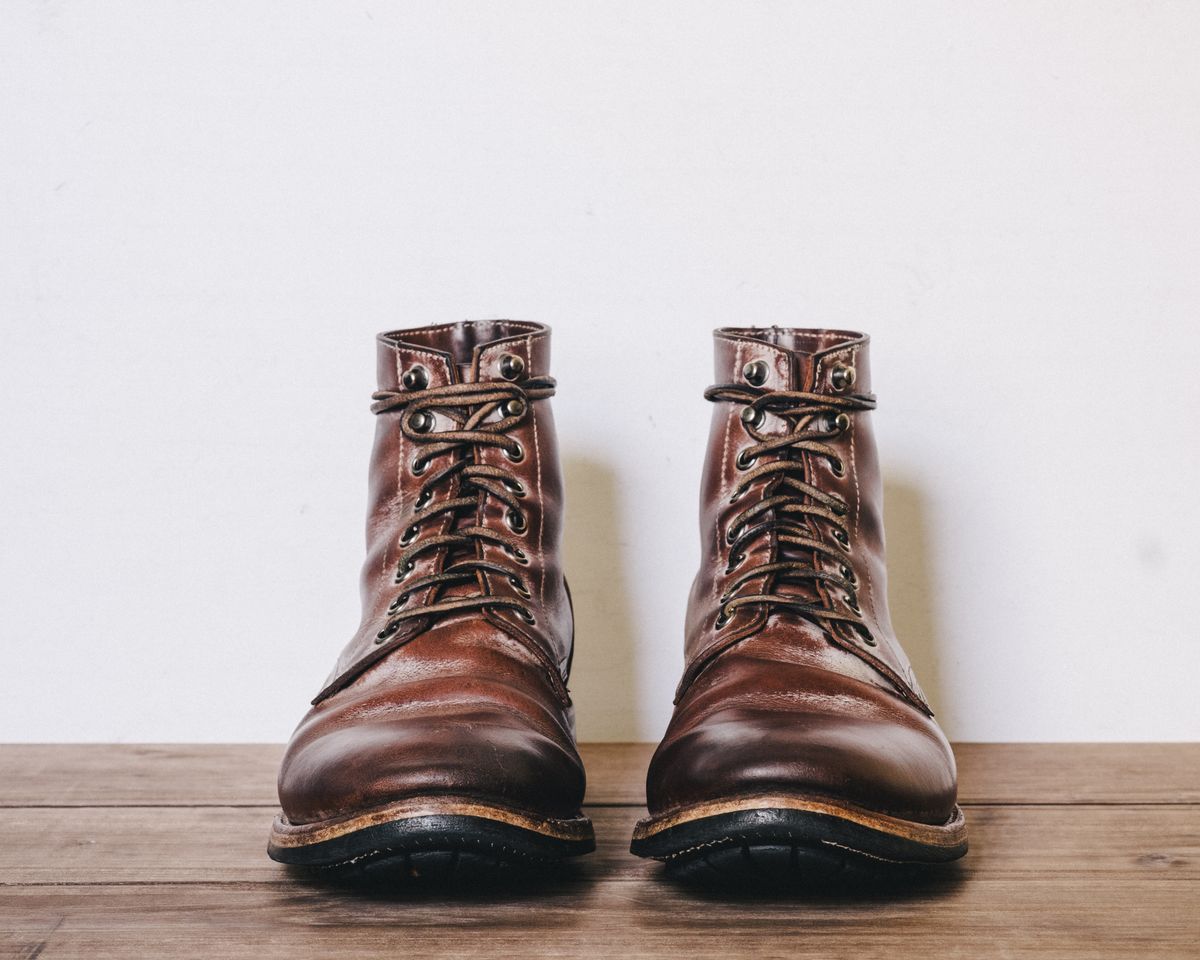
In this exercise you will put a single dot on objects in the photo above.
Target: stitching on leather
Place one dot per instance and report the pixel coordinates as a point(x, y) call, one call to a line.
point(737, 359)
point(537, 451)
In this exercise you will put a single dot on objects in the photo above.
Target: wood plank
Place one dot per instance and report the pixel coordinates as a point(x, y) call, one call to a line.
point(244, 774)
point(228, 844)
point(1023, 918)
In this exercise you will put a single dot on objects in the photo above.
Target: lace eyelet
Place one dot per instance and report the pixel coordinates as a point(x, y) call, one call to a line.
point(515, 407)
point(852, 602)
point(516, 486)
point(387, 631)
point(415, 378)
point(419, 466)
point(839, 424)
point(525, 615)
point(517, 455)
point(521, 589)
point(745, 462)
point(423, 498)
point(752, 417)
point(837, 466)
point(841, 377)
point(734, 562)
point(842, 538)
point(511, 366)
point(517, 554)
point(869, 640)
point(756, 373)
point(722, 617)
point(403, 572)
point(396, 604)
point(409, 535)
point(733, 533)
point(420, 422)
point(516, 521)
point(848, 574)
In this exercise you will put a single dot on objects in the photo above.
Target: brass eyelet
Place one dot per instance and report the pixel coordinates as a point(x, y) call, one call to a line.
point(841, 377)
point(516, 521)
point(752, 417)
point(517, 455)
point(837, 467)
point(415, 378)
point(515, 407)
point(756, 373)
point(388, 631)
point(839, 424)
point(420, 422)
point(745, 462)
point(511, 366)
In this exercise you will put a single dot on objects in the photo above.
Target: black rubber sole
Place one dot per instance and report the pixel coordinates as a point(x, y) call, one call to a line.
point(434, 848)
point(783, 845)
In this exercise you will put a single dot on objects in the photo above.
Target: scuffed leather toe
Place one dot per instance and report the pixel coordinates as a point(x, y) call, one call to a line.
point(742, 734)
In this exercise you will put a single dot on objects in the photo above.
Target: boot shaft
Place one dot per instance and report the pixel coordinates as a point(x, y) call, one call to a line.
point(439, 386)
point(773, 384)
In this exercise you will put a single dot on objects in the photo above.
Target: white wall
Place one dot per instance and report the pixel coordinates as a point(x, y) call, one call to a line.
point(208, 210)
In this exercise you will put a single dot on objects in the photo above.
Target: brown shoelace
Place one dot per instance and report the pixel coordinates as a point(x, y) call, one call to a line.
point(791, 508)
point(463, 485)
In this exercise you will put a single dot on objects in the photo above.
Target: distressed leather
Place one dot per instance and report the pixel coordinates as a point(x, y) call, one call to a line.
point(471, 703)
point(774, 701)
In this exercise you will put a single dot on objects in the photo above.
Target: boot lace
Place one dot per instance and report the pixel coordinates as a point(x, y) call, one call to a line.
point(791, 510)
point(482, 415)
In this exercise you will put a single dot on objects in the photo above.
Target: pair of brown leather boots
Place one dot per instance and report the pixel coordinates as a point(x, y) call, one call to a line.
point(443, 739)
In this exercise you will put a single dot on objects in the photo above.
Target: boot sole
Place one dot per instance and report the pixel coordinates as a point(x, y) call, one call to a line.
point(439, 838)
point(794, 838)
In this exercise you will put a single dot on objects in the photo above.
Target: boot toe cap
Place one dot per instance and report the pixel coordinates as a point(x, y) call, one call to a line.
point(851, 742)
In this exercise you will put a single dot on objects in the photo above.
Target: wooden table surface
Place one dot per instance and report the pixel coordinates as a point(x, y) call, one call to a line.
point(1077, 850)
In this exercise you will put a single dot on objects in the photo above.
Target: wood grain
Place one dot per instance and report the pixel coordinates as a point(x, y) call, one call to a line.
point(1077, 851)
point(244, 774)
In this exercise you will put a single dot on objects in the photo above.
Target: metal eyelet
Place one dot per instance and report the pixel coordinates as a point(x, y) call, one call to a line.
point(837, 467)
point(517, 554)
point(387, 631)
point(420, 422)
point(516, 521)
point(516, 456)
point(511, 366)
point(735, 561)
point(525, 615)
point(756, 373)
point(521, 589)
point(398, 603)
point(516, 486)
point(722, 617)
point(419, 466)
point(422, 498)
point(841, 377)
point(752, 417)
point(745, 462)
point(848, 573)
point(852, 602)
point(415, 378)
point(842, 537)
point(403, 572)
point(869, 640)
point(733, 533)
point(839, 424)
point(409, 535)
point(515, 407)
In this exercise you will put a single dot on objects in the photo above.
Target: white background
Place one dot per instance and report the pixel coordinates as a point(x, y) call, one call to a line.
point(208, 210)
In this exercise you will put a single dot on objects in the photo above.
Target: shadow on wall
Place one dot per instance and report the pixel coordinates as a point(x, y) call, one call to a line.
point(603, 676)
point(911, 586)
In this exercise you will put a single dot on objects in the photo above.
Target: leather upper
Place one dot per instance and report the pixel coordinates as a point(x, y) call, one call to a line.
point(470, 703)
point(772, 699)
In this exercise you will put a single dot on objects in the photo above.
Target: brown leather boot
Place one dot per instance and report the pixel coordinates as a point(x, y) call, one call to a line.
point(444, 737)
point(800, 737)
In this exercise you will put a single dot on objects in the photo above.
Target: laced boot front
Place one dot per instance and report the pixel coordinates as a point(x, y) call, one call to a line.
point(444, 737)
point(800, 738)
